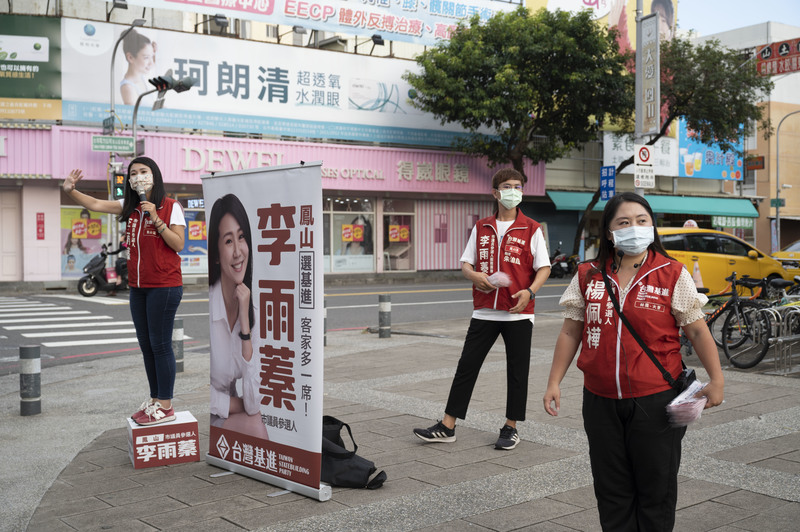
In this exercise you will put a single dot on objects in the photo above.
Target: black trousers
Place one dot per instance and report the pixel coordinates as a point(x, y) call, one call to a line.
point(635, 456)
point(481, 336)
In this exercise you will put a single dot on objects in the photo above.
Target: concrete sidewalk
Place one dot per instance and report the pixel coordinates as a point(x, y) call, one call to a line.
point(68, 468)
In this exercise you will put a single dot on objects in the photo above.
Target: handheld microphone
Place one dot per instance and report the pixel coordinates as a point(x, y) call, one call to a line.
point(142, 197)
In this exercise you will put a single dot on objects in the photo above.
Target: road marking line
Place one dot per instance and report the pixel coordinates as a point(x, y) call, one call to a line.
point(96, 342)
point(68, 325)
point(61, 334)
point(59, 319)
point(7, 314)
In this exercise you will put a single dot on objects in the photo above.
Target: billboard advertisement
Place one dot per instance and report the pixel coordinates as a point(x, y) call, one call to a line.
point(243, 86)
point(706, 162)
point(30, 68)
point(414, 21)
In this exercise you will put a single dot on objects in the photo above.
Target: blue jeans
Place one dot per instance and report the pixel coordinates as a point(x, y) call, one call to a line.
point(153, 313)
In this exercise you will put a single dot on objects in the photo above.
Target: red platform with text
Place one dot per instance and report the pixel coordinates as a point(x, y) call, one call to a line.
point(174, 442)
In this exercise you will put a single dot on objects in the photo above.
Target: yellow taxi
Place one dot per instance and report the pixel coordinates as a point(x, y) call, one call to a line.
point(711, 256)
point(790, 258)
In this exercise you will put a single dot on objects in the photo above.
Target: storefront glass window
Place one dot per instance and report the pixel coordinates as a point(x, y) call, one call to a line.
point(350, 235)
point(398, 235)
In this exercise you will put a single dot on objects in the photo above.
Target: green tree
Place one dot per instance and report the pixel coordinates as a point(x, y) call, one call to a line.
point(715, 89)
point(525, 85)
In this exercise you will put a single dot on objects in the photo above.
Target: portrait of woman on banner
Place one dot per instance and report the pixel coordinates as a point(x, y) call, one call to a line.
point(235, 396)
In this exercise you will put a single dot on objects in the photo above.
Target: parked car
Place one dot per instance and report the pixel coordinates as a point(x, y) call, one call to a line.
point(711, 256)
point(790, 258)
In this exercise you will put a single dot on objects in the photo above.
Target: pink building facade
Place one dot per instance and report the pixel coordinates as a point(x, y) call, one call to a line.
point(386, 209)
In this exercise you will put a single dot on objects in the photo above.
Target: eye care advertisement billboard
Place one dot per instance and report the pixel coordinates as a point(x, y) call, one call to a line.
point(243, 86)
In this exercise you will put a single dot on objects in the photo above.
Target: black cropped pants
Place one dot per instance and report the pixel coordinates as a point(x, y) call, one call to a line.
point(481, 336)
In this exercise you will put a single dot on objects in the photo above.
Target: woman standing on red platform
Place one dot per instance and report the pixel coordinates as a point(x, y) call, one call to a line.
point(154, 235)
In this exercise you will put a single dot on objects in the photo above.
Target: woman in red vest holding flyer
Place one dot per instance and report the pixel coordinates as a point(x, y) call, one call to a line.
point(634, 451)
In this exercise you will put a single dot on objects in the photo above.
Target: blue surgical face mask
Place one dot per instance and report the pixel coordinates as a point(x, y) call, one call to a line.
point(633, 240)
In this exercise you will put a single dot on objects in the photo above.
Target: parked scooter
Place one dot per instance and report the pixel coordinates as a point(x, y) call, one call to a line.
point(98, 277)
point(559, 267)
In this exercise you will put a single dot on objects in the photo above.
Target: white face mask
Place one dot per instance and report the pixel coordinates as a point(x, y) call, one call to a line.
point(510, 198)
point(633, 240)
point(141, 180)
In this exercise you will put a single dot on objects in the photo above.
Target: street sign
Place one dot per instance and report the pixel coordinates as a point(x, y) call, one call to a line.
point(113, 144)
point(608, 178)
point(777, 202)
point(108, 125)
point(644, 174)
point(648, 76)
point(642, 154)
point(754, 163)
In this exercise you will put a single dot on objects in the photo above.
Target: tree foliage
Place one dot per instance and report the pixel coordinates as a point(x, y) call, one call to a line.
point(525, 85)
point(715, 89)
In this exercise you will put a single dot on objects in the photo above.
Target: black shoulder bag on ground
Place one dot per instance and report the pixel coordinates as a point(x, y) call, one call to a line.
point(341, 467)
point(686, 377)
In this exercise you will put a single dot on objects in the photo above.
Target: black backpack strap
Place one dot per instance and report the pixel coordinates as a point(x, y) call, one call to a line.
point(664, 373)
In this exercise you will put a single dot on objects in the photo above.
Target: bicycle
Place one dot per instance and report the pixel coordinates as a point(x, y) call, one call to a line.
point(746, 333)
point(716, 318)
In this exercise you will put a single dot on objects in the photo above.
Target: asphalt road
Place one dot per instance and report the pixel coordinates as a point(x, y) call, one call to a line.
point(74, 329)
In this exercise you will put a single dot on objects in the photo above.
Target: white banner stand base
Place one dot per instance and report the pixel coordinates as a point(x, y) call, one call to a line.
point(323, 493)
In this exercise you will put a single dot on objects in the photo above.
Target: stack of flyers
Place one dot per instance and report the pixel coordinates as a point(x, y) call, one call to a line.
point(498, 279)
point(686, 408)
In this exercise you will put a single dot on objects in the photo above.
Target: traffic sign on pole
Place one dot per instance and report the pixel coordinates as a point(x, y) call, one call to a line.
point(644, 175)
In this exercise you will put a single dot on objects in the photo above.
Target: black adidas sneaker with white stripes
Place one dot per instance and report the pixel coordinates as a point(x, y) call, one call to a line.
point(437, 433)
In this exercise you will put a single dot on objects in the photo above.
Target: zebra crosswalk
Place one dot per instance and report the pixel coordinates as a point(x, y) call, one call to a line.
point(56, 325)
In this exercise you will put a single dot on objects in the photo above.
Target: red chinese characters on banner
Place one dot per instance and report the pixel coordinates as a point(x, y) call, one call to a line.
point(278, 300)
point(279, 234)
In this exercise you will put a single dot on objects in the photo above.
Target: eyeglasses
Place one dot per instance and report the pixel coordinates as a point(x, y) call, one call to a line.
point(510, 187)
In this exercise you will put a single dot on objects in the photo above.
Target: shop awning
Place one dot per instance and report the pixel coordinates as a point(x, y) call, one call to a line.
point(577, 201)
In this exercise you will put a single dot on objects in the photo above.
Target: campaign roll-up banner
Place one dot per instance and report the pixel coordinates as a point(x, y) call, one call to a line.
point(264, 230)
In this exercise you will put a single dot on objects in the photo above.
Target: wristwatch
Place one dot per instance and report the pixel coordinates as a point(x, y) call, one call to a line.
point(531, 293)
point(244, 336)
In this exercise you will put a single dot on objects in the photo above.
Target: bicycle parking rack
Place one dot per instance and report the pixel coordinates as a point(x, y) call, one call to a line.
point(786, 320)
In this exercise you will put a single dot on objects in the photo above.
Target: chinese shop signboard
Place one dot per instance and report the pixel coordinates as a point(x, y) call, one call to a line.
point(778, 58)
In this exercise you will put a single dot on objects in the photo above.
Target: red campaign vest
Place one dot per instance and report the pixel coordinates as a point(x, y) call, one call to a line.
point(613, 363)
point(151, 262)
point(512, 256)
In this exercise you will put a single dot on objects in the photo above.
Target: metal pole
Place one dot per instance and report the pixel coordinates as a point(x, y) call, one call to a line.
point(384, 316)
point(30, 380)
point(112, 227)
point(135, 114)
point(177, 344)
point(778, 180)
point(325, 322)
point(637, 134)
